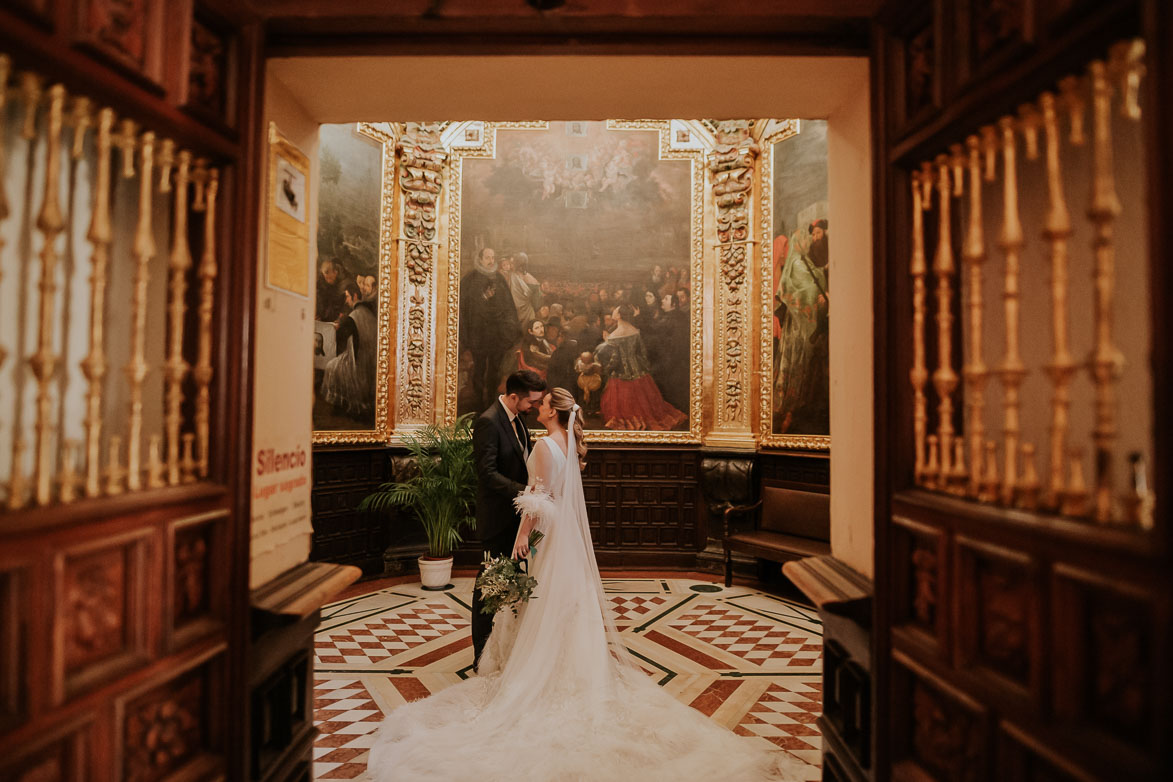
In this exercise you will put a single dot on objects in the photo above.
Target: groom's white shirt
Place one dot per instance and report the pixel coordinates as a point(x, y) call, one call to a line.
point(512, 415)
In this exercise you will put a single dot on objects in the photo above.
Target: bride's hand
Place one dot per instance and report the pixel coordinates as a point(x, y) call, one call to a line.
point(521, 547)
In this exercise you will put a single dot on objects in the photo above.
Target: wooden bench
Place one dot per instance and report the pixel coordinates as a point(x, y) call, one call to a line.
point(784, 524)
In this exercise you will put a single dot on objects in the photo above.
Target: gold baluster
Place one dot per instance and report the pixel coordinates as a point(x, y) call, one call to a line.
point(1075, 499)
point(203, 369)
point(1028, 489)
point(189, 462)
point(115, 472)
point(17, 483)
point(100, 234)
point(31, 88)
point(137, 369)
point(165, 161)
point(180, 262)
point(976, 373)
point(990, 151)
point(5, 70)
point(50, 223)
point(1072, 100)
point(80, 119)
point(933, 475)
point(919, 374)
point(155, 478)
point(1011, 370)
point(127, 142)
point(1105, 362)
point(958, 478)
point(1127, 62)
point(1057, 231)
point(990, 481)
point(944, 378)
point(67, 483)
point(1030, 121)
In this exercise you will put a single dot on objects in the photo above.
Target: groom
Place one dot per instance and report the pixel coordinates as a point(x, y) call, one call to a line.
point(500, 444)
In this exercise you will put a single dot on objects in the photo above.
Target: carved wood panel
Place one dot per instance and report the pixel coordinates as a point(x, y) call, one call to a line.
point(643, 499)
point(209, 79)
point(1000, 617)
point(103, 605)
point(174, 726)
point(919, 596)
point(195, 583)
point(63, 755)
point(942, 734)
point(128, 33)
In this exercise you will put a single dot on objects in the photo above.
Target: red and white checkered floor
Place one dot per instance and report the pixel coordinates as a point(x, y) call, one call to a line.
point(748, 660)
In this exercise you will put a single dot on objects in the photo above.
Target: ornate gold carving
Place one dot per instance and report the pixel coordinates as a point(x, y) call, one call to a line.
point(945, 377)
point(932, 474)
point(155, 478)
point(988, 491)
point(17, 482)
point(1057, 231)
point(1011, 370)
point(919, 374)
point(203, 368)
point(127, 142)
point(975, 372)
point(1105, 362)
point(50, 222)
point(731, 166)
point(188, 464)
point(179, 264)
point(421, 178)
point(68, 479)
point(136, 369)
point(1075, 499)
point(1028, 487)
point(94, 365)
point(388, 298)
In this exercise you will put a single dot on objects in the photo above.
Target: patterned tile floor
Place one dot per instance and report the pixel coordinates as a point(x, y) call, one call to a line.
point(748, 660)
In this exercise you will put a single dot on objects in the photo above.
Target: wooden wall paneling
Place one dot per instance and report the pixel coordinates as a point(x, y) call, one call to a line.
point(1020, 756)
point(920, 587)
point(342, 477)
point(14, 642)
point(127, 33)
point(195, 580)
point(1116, 637)
point(997, 605)
point(173, 724)
point(940, 733)
point(105, 616)
point(208, 88)
point(62, 754)
point(991, 33)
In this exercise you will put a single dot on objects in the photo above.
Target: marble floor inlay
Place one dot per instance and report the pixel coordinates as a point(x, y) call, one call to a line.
point(748, 660)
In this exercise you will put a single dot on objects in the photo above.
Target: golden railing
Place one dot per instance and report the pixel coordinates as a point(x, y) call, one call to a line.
point(970, 463)
point(92, 444)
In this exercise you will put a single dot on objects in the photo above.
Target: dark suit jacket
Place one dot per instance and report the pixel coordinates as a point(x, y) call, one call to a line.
point(501, 472)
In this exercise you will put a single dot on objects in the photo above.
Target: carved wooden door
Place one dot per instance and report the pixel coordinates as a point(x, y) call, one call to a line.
point(125, 292)
point(1022, 560)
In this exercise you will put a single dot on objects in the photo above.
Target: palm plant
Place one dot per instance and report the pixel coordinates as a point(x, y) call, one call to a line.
point(441, 488)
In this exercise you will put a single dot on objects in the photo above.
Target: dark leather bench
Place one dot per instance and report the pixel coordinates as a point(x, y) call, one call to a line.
point(784, 524)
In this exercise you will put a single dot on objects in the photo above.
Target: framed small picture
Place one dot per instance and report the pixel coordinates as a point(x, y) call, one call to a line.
point(576, 129)
point(576, 162)
point(290, 192)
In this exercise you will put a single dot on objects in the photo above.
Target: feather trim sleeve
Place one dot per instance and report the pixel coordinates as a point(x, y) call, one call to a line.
point(537, 503)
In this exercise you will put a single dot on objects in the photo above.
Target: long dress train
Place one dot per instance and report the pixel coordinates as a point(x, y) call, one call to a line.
point(558, 696)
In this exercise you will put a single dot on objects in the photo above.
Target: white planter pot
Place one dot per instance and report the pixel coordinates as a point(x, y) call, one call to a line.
point(435, 573)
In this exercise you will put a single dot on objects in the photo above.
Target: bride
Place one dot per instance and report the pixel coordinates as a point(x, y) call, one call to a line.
point(558, 697)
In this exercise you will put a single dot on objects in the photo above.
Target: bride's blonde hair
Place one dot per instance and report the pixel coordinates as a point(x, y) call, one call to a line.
point(563, 401)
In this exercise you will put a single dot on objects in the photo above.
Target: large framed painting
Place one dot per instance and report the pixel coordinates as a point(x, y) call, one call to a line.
point(795, 409)
point(353, 304)
point(576, 250)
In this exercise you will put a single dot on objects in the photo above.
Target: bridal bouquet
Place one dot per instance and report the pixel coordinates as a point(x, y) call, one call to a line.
point(504, 583)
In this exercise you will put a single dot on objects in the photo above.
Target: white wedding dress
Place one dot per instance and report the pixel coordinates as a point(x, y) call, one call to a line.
point(558, 697)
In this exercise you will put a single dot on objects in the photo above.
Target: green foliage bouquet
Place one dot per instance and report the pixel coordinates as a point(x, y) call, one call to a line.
point(505, 583)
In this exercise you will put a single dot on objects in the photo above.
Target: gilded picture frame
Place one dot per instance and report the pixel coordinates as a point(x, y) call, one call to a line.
point(775, 132)
point(667, 151)
point(387, 305)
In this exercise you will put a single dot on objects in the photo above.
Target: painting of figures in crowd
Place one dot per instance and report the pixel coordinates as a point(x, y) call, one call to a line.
point(801, 389)
point(346, 328)
point(575, 263)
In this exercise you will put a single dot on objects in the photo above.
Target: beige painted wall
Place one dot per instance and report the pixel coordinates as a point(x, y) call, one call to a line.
point(852, 432)
point(283, 383)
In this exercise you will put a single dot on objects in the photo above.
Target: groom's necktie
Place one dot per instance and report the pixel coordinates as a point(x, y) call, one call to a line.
point(520, 430)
